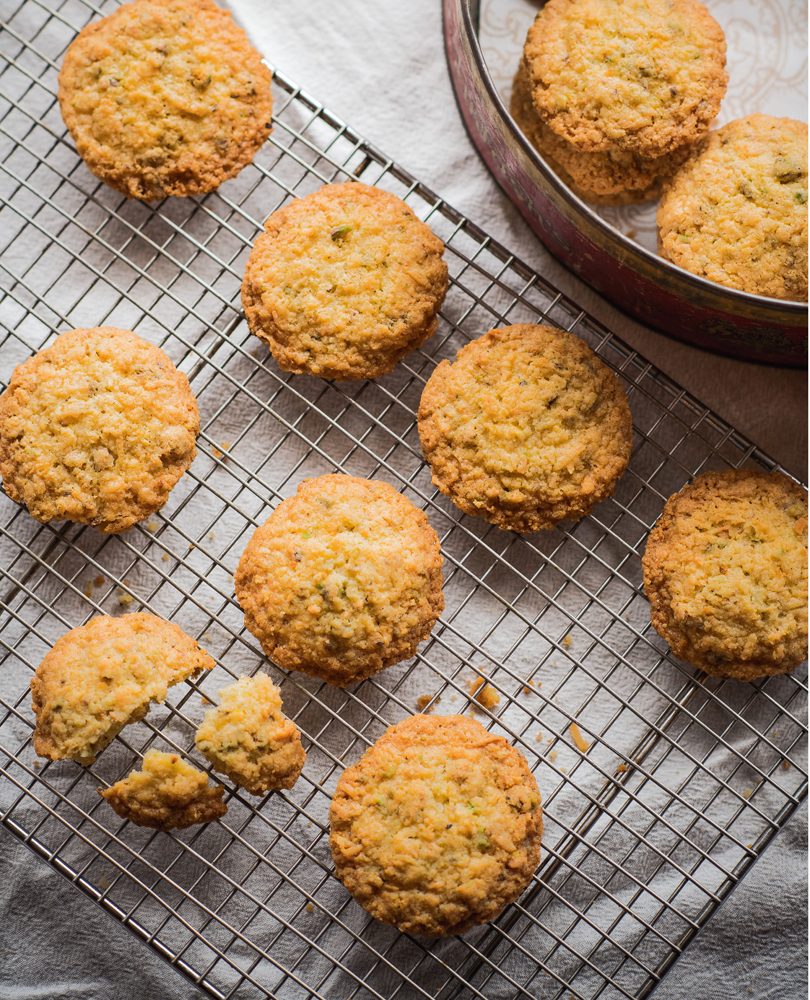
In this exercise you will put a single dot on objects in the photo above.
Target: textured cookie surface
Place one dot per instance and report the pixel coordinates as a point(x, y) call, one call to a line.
point(725, 572)
point(736, 213)
point(165, 97)
point(525, 428)
point(641, 75)
point(343, 579)
point(102, 676)
point(344, 282)
point(248, 738)
point(97, 428)
point(166, 794)
point(438, 825)
point(615, 177)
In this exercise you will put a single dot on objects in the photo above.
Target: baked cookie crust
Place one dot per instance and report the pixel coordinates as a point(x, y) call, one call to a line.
point(725, 572)
point(97, 428)
point(344, 282)
point(342, 580)
point(248, 738)
point(165, 97)
point(646, 76)
point(167, 793)
point(437, 827)
point(736, 212)
point(104, 675)
point(527, 427)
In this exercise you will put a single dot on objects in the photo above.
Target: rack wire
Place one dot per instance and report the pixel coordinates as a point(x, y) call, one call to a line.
point(685, 778)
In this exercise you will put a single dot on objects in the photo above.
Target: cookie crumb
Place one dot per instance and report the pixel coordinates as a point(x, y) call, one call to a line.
point(99, 581)
point(424, 700)
point(310, 908)
point(124, 599)
point(622, 769)
point(88, 589)
point(484, 694)
point(219, 452)
point(567, 641)
point(152, 525)
point(579, 740)
point(165, 557)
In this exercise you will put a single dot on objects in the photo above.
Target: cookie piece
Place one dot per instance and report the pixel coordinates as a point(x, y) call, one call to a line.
point(97, 428)
point(247, 738)
point(725, 572)
point(102, 676)
point(526, 427)
point(616, 177)
point(645, 76)
point(437, 827)
point(165, 97)
point(736, 213)
point(344, 282)
point(342, 580)
point(166, 794)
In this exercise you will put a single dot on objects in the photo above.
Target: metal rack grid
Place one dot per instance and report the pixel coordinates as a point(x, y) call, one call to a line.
point(685, 779)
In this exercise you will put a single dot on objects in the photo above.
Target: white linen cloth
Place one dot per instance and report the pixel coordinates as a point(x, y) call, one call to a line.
point(381, 67)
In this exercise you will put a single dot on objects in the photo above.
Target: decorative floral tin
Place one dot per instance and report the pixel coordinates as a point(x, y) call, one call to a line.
point(591, 243)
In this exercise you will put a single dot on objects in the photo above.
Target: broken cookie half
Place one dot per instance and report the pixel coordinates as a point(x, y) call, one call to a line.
point(103, 676)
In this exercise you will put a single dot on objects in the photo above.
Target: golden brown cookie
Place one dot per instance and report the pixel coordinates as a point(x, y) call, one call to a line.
point(165, 97)
point(248, 738)
point(736, 213)
point(102, 676)
point(614, 177)
point(344, 282)
point(97, 428)
point(725, 572)
point(527, 427)
point(343, 579)
point(166, 794)
point(646, 76)
point(437, 827)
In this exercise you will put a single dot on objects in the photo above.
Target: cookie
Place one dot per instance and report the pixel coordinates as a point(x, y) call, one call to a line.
point(736, 213)
point(645, 76)
point(342, 580)
point(615, 177)
point(97, 428)
point(344, 282)
point(527, 427)
point(166, 794)
point(725, 572)
point(165, 97)
point(102, 676)
point(437, 827)
point(247, 738)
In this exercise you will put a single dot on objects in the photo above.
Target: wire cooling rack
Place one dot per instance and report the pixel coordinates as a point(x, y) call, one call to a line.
point(655, 806)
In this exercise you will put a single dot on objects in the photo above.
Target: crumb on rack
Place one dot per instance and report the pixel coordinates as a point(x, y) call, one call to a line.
point(88, 589)
point(220, 451)
point(631, 234)
point(622, 769)
point(100, 580)
point(785, 764)
point(579, 740)
point(567, 641)
point(165, 557)
point(211, 536)
point(424, 700)
point(124, 599)
point(310, 908)
point(152, 525)
point(552, 755)
point(747, 793)
point(484, 694)
point(538, 736)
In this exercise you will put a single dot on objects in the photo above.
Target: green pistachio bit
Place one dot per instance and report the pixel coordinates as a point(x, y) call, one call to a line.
point(340, 233)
